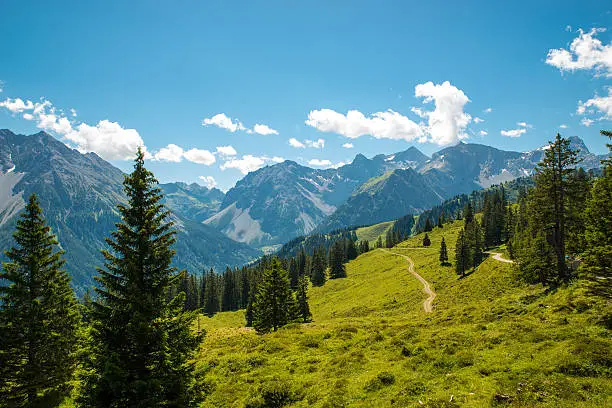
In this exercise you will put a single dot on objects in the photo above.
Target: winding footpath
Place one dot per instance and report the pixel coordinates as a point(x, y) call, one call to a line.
point(498, 257)
point(427, 303)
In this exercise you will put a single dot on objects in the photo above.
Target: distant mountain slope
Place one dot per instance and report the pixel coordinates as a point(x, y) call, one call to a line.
point(79, 194)
point(383, 198)
point(192, 201)
point(277, 203)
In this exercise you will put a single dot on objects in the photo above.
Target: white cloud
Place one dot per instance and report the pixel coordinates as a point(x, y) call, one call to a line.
point(514, 132)
point(587, 122)
point(107, 139)
point(264, 130)
point(381, 125)
point(524, 124)
point(586, 52)
point(209, 181)
point(16, 105)
point(320, 163)
point(563, 126)
point(226, 150)
point(276, 159)
point(488, 110)
point(478, 120)
point(247, 164)
point(200, 156)
point(601, 104)
point(446, 123)
point(221, 120)
point(339, 164)
point(348, 145)
point(73, 112)
point(483, 133)
point(171, 153)
point(316, 144)
point(296, 143)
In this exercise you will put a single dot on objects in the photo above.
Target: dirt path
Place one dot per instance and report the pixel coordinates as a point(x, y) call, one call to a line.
point(498, 257)
point(427, 303)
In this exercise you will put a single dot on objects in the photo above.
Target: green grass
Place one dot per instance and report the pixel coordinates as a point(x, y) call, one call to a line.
point(372, 345)
point(372, 232)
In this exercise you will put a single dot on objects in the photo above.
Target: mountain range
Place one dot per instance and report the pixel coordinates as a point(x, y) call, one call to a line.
point(268, 207)
point(79, 194)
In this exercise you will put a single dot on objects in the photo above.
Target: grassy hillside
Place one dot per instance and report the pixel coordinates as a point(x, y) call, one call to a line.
point(489, 341)
point(372, 232)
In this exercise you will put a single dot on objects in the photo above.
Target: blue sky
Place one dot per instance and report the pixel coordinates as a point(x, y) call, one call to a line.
point(412, 73)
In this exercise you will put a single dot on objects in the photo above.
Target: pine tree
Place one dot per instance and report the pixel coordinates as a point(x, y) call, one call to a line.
point(142, 341)
point(319, 267)
point(301, 295)
point(426, 241)
point(443, 253)
point(274, 303)
point(211, 302)
point(336, 262)
point(441, 220)
point(597, 265)
point(428, 226)
point(462, 254)
point(38, 317)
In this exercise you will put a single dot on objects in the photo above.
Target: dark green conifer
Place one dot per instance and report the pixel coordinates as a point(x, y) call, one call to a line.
point(336, 261)
point(443, 253)
point(462, 254)
point(142, 342)
point(301, 296)
point(38, 317)
point(274, 303)
point(426, 241)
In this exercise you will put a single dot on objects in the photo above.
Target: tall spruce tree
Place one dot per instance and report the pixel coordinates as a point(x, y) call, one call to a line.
point(318, 274)
point(274, 304)
point(301, 296)
point(336, 261)
point(210, 302)
point(142, 341)
point(597, 259)
point(443, 253)
point(462, 254)
point(38, 317)
point(426, 241)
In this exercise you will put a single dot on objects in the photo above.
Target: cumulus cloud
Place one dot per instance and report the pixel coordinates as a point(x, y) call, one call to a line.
point(264, 130)
point(483, 133)
point(488, 110)
point(171, 153)
point(108, 139)
point(320, 163)
point(226, 150)
point(208, 181)
point(446, 124)
point(249, 163)
point(524, 124)
point(598, 107)
point(200, 156)
point(586, 52)
point(587, 122)
point(478, 120)
point(221, 120)
point(293, 142)
point(514, 132)
point(563, 126)
point(348, 145)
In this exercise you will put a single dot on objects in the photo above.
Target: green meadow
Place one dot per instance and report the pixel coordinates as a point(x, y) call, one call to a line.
point(490, 341)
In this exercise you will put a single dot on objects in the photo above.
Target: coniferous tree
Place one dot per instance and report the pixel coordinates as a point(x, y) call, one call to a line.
point(441, 220)
point(597, 265)
point(294, 273)
point(319, 267)
point(336, 262)
point(142, 341)
point(210, 304)
point(379, 242)
point(462, 254)
point(426, 241)
point(38, 317)
point(351, 250)
point(274, 303)
point(301, 296)
point(443, 253)
point(428, 226)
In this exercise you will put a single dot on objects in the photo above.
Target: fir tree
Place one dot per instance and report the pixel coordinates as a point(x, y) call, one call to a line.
point(379, 242)
point(428, 226)
point(336, 262)
point(443, 253)
point(597, 266)
point(351, 250)
point(38, 317)
point(319, 267)
point(210, 304)
point(274, 303)
point(462, 254)
point(301, 295)
point(426, 241)
point(142, 341)
point(441, 220)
